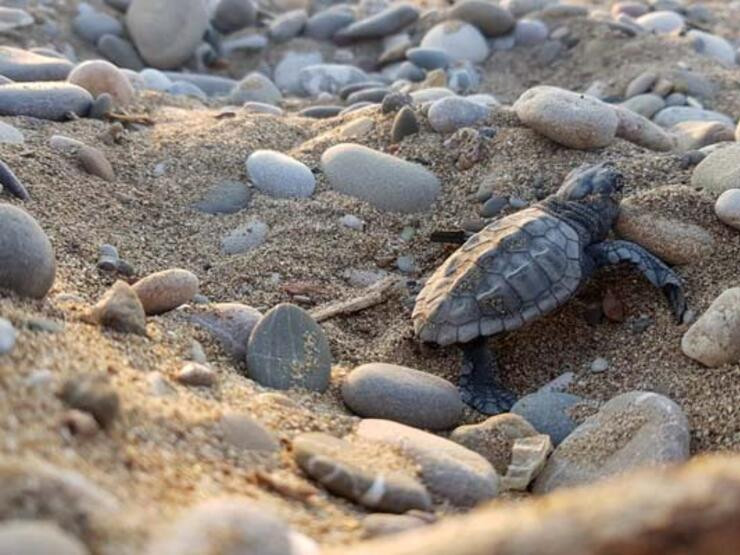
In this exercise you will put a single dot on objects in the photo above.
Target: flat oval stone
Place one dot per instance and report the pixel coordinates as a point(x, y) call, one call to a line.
point(352, 471)
point(323, 25)
point(287, 25)
point(450, 114)
point(52, 100)
point(19, 537)
point(548, 412)
point(230, 323)
point(661, 22)
point(22, 65)
point(429, 58)
point(227, 197)
point(571, 119)
point(447, 469)
point(646, 105)
point(288, 349)
point(388, 183)
point(279, 175)
point(330, 78)
point(405, 395)
point(668, 117)
point(714, 339)
point(727, 208)
point(166, 32)
point(95, 163)
point(244, 238)
point(92, 25)
point(460, 40)
point(713, 46)
point(29, 265)
point(255, 87)
point(384, 23)
point(491, 19)
point(244, 432)
point(719, 171)
point(163, 291)
point(98, 77)
point(641, 131)
point(232, 15)
point(404, 124)
point(228, 525)
point(632, 431)
point(212, 85)
point(121, 52)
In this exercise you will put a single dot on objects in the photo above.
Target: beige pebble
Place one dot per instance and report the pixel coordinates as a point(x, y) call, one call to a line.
point(99, 76)
point(95, 163)
point(196, 374)
point(162, 291)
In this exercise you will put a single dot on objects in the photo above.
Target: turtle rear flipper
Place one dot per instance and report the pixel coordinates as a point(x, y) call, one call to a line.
point(479, 384)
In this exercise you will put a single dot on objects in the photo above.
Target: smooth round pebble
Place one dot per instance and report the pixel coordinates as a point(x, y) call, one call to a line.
point(29, 537)
point(44, 100)
point(227, 197)
point(7, 336)
point(450, 114)
point(548, 412)
point(163, 291)
point(714, 339)
point(278, 175)
point(99, 76)
point(246, 237)
point(230, 324)
point(727, 208)
point(460, 40)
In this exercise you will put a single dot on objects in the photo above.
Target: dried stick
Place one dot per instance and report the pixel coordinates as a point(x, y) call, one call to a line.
point(373, 295)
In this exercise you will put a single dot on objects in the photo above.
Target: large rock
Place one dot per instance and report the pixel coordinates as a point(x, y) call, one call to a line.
point(460, 40)
point(388, 183)
point(167, 32)
point(568, 118)
point(714, 339)
point(27, 263)
point(356, 472)
point(633, 430)
point(405, 395)
point(448, 469)
point(44, 100)
point(719, 171)
point(288, 349)
point(23, 65)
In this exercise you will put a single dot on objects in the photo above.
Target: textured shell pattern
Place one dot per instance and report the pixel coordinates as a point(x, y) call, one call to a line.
point(513, 271)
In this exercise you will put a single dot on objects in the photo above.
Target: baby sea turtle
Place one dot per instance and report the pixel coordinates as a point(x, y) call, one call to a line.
point(524, 266)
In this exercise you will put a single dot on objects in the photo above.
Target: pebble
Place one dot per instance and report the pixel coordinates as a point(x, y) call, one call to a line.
point(242, 431)
point(246, 237)
point(694, 135)
point(384, 23)
point(450, 114)
point(375, 95)
point(528, 458)
point(226, 197)
point(641, 131)
point(719, 171)
point(320, 112)
point(347, 471)
point(632, 9)
point(324, 25)
point(357, 128)
point(599, 365)
point(255, 87)
point(230, 324)
point(93, 395)
point(530, 32)
point(568, 118)
point(494, 438)
point(315, 79)
point(548, 412)
point(493, 206)
point(288, 349)
point(382, 524)
point(448, 469)
point(672, 241)
point(392, 392)
point(430, 94)
point(166, 290)
point(91, 25)
point(166, 32)
point(183, 88)
point(386, 182)
point(233, 15)
point(670, 116)
point(429, 58)
point(23, 65)
point(641, 84)
point(518, 8)
point(713, 46)
point(44, 100)
point(278, 175)
point(287, 71)
point(633, 430)
point(460, 40)
point(95, 163)
point(196, 374)
point(11, 183)
point(211, 85)
point(405, 124)
point(119, 309)
point(12, 18)
point(287, 25)
point(155, 80)
point(228, 525)
point(102, 106)
point(121, 52)
point(395, 101)
point(10, 135)
point(727, 208)
point(661, 22)
point(261, 108)
point(491, 19)
point(714, 339)
point(647, 105)
point(26, 537)
point(30, 265)
point(352, 222)
point(7, 336)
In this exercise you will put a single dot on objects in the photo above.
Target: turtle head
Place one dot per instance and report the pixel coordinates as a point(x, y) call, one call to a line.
point(598, 188)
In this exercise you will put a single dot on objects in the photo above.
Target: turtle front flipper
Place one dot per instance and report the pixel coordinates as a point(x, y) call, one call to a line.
point(656, 271)
point(479, 384)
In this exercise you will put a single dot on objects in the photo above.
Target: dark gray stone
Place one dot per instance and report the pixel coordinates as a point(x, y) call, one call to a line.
point(212, 85)
point(232, 15)
point(323, 25)
point(22, 65)
point(102, 105)
point(93, 25)
point(385, 23)
point(493, 206)
point(227, 197)
point(288, 349)
point(405, 395)
point(491, 19)
point(404, 124)
point(320, 112)
point(287, 25)
point(547, 411)
point(429, 58)
point(393, 102)
point(10, 183)
point(374, 95)
point(121, 52)
point(230, 323)
point(53, 101)
point(27, 263)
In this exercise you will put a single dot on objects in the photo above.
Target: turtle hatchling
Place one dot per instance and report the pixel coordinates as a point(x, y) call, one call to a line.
point(524, 266)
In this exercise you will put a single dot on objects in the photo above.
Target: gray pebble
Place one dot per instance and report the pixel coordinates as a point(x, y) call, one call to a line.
point(120, 51)
point(93, 25)
point(48, 100)
point(7, 336)
point(385, 23)
point(246, 237)
point(230, 324)
point(493, 206)
point(404, 124)
point(599, 365)
point(279, 175)
point(450, 114)
point(226, 197)
point(23, 65)
point(547, 411)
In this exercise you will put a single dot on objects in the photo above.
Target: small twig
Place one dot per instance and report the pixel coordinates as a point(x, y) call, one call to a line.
point(374, 295)
point(288, 487)
point(126, 118)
